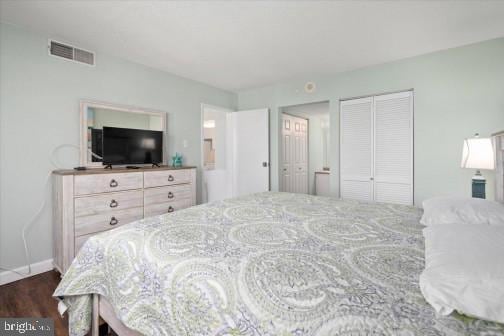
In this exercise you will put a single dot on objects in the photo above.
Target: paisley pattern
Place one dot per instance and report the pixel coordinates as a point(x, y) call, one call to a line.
point(272, 264)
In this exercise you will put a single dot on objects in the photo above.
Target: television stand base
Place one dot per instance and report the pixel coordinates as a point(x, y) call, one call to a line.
point(109, 166)
point(155, 165)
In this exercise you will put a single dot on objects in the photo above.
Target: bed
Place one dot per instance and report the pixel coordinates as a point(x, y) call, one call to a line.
point(265, 264)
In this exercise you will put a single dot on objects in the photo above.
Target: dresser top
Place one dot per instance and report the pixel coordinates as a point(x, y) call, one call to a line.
point(93, 171)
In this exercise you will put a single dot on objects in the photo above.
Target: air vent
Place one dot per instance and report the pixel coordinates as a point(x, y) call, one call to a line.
point(75, 54)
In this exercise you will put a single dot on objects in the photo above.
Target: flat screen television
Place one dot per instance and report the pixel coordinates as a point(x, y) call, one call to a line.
point(124, 146)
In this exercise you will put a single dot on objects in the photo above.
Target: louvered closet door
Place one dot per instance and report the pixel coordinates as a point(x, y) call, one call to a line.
point(356, 132)
point(393, 142)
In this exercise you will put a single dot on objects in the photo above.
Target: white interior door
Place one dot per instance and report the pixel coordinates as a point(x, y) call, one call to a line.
point(294, 173)
point(393, 145)
point(356, 154)
point(250, 151)
point(287, 161)
point(300, 149)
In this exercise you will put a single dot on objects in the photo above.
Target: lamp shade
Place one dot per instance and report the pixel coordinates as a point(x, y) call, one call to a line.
point(478, 154)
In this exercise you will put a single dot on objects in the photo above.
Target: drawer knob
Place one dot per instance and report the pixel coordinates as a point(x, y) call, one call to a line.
point(170, 209)
point(170, 178)
point(113, 221)
point(113, 204)
point(170, 194)
point(113, 183)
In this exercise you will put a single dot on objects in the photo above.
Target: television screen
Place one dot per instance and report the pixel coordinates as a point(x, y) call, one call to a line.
point(123, 146)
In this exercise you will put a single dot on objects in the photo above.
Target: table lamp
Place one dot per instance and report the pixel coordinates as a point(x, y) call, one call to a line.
point(478, 154)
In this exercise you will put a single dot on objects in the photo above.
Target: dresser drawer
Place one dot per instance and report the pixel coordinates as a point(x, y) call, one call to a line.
point(167, 194)
point(166, 177)
point(100, 183)
point(105, 221)
point(93, 205)
point(163, 208)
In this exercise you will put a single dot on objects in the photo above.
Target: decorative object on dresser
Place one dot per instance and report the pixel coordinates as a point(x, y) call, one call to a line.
point(478, 154)
point(95, 200)
point(177, 160)
point(498, 140)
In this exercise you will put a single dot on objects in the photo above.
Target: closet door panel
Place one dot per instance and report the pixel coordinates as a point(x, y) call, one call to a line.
point(357, 190)
point(393, 146)
point(356, 122)
point(397, 193)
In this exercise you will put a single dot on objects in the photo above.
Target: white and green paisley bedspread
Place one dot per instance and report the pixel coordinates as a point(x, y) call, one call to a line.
point(267, 264)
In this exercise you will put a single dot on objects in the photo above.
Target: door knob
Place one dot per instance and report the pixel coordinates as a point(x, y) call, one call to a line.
point(265, 164)
point(371, 178)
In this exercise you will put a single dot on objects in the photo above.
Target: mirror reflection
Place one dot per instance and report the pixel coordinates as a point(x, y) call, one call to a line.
point(98, 117)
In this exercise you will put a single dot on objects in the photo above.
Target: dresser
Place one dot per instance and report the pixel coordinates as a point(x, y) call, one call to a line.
point(95, 200)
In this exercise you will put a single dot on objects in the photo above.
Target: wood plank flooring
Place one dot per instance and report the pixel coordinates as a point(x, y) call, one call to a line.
point(32, 297)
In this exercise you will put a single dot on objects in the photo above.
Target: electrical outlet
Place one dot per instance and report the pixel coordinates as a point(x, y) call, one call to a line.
point(185, 144)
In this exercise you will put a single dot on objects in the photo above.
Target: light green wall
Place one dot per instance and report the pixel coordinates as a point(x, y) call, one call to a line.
point(39, 110)
point(457, 92)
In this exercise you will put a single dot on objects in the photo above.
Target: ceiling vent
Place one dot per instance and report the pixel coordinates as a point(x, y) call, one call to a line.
point(71, 53)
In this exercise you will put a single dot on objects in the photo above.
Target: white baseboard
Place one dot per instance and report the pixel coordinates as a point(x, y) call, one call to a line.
point(37, 268)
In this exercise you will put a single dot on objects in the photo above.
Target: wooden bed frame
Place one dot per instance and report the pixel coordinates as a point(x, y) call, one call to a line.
point(102, 308)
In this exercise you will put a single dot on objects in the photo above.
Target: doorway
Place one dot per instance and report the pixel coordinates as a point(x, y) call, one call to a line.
point(304, 149)
point(235, 152)
point(215, 177)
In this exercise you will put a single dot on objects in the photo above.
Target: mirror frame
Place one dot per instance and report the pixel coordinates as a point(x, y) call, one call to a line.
point(85, 104)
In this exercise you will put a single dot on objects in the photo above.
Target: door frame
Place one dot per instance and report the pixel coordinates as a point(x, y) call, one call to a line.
point(281, 111)
point(205, 106)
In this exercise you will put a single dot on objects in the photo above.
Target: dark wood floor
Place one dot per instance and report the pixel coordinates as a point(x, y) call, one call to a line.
point(32, 297)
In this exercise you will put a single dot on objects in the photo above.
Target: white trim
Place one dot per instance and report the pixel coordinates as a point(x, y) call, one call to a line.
point(37, 268)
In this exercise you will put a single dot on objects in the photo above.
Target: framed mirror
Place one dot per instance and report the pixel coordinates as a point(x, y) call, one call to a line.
point(96, 115)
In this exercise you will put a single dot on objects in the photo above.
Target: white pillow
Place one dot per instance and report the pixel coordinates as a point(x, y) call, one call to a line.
point(464, 270)
point(460, 210)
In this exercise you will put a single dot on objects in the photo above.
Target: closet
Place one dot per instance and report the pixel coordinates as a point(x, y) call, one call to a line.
point(376, 139)
point(294, 173)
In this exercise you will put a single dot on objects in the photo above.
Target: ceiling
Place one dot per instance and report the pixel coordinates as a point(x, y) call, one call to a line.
point(243, 44)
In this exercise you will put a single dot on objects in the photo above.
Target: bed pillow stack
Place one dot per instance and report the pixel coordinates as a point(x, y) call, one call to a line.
point(464, 257)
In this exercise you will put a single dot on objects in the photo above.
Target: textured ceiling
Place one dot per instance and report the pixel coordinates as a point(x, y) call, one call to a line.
point(242, 44)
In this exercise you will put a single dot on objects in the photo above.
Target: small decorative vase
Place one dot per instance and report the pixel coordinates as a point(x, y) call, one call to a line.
point(177, 160)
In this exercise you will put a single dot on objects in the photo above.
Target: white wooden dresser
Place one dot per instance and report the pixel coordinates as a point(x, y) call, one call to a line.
point(95, 200)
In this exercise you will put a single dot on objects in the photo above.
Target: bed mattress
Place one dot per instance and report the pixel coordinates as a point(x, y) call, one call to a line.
point(265, 264)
